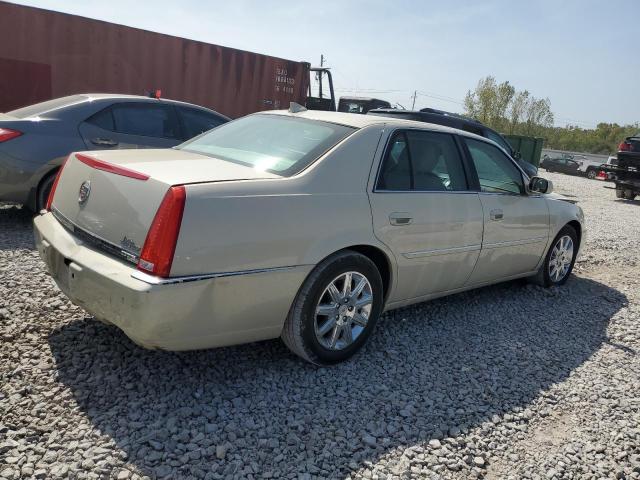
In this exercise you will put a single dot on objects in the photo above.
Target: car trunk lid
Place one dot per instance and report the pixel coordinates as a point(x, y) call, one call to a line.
point(109, 199)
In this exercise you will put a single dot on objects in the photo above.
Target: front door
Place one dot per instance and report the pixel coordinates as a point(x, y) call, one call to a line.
point(424, 212)
point(516, 224)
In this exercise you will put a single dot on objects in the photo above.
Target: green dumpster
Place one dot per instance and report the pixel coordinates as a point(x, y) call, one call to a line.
point(530, 148)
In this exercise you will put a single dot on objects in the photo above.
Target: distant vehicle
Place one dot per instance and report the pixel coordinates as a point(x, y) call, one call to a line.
point(440, 117)
point(35, 140)
point(360, 104)
point(561, 165)
point(302, 224)
point(626, 170)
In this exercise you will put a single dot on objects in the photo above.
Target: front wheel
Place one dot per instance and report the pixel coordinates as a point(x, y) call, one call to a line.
point(336, 309)
point(558, 264)
point(591, 174)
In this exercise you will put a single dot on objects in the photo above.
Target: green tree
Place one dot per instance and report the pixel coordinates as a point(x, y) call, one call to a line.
point(503, 108)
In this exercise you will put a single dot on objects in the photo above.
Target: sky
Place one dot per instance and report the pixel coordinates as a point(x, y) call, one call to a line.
point(583, 55)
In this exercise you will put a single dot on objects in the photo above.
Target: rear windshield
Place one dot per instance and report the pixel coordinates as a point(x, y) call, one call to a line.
point(40, 108)
point(273, 143)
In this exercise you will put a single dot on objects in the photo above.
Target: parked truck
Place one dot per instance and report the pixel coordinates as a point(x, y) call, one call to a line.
point(46, 54)
point(625, 172)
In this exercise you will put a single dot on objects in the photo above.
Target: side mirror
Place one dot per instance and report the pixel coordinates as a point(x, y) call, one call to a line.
point(540, 185)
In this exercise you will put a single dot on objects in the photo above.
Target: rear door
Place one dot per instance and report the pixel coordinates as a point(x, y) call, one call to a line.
point(132, 125)
point(424, 212)
point(516, 224)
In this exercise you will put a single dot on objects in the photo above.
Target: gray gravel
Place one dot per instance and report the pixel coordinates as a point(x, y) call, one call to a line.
point(511, 381)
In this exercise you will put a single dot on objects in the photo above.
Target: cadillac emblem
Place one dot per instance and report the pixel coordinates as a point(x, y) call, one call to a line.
point(85, 191)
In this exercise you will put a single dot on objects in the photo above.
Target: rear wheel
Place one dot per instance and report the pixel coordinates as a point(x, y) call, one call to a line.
point(44, 189)
point(336, 309)
point(558, 264)
point(591, 173)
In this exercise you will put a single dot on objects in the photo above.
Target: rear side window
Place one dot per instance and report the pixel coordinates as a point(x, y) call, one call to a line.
point(147, 120)
point(422, 161)
point(195, 122)
point(138, 119)
point(496, 172)
point(103, 119)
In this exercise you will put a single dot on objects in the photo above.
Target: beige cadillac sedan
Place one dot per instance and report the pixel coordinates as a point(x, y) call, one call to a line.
point(296, 224)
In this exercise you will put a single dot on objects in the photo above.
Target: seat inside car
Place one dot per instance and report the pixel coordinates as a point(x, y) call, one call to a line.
point(425, 156)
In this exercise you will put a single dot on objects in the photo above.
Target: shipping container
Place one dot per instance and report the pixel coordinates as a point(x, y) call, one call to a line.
point(46, 54)
point(530, 148)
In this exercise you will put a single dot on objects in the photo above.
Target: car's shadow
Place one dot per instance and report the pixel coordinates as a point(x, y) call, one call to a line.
point(434, 369)
point(16, 228)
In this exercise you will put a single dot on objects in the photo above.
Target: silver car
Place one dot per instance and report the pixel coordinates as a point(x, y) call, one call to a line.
point(296, 224)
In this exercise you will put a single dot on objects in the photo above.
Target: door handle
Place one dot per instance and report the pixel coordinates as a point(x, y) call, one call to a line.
point(105, 142)
point(400, 218)
point(496, 214)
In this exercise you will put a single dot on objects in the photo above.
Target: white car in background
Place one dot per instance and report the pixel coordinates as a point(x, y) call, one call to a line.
point(297, 224)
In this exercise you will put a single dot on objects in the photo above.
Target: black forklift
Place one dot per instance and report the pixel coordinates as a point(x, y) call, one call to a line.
point(625, 173)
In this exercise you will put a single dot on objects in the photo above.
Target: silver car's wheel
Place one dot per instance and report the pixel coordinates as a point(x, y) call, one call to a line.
point(591, 174)
point(336, 309)
point(343, 310)
point(561, 258)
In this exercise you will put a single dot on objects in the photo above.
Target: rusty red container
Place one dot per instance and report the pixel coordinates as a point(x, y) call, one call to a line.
point(46, 54)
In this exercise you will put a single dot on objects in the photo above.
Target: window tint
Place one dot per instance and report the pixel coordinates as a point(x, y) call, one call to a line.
point(499, 140)
point(103, 119)
point(148, 120)
point(424, 161)
point(496, 171)
point(274, 143)
point(195, 122)
point(396, 169)
point(436, 163)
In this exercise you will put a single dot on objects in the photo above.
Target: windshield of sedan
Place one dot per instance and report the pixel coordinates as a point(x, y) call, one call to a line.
point(274, 143)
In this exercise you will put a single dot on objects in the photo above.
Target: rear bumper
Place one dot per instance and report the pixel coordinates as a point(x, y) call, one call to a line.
point(205, 313)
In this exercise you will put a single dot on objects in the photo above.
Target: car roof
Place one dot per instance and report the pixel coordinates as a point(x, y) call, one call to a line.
point(361, 121)
point(68, 101)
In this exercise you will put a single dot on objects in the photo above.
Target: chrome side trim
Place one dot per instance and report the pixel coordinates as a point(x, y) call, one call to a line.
point(442, 251)
point(94, 240)
point(513, 243)
point(153, 280)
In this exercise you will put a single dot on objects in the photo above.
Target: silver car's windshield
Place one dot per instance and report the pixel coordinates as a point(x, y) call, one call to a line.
point(277, 144)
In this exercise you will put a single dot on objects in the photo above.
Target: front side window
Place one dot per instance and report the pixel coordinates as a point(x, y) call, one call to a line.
point(196, 121)
point(496, 172)
point(499, 140)
point(422, 161)
point(278, 144)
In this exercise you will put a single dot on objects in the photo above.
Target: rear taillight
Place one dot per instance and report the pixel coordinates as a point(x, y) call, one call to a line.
point(53, 187)
point(160, 245)
point(624, 147)
point(8, 134)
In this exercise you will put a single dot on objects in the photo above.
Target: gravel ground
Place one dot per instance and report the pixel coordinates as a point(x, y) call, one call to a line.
point(510, 381)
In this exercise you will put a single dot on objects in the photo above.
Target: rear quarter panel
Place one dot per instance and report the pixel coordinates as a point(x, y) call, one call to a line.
point(245, 225)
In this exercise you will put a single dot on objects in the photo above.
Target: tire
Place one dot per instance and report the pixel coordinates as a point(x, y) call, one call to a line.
point(619, 193)
point(44, 189)
point(547, 276)
point(303, 328)
point(591, 174)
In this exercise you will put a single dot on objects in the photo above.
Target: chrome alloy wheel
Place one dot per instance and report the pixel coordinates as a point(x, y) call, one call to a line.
point(343, 310)
point(561, 258)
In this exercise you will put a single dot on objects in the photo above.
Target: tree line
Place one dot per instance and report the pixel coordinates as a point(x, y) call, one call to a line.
point(512, 112)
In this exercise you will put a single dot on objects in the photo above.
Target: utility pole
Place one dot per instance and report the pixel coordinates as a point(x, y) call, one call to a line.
point(415, 94)
point(320, 75)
